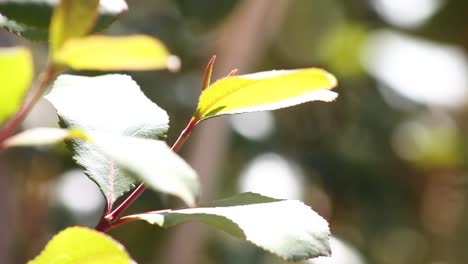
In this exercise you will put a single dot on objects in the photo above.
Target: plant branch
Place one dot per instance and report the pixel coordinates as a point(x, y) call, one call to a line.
point(109, 221)
point(105, 226)
point(36, 92)
point(185, 134)
point(126, 203)
point(128, 219)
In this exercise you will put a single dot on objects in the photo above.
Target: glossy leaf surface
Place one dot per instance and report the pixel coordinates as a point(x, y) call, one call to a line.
point(106, 53)
point(32, 17)
point(111, 104)
point(81, 245)
point(287, 228)
point(71, 19)
point(16, 73)
point(265, 91)
point(153, 162)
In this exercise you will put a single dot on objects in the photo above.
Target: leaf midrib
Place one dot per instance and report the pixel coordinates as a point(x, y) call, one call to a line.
point(227, 94)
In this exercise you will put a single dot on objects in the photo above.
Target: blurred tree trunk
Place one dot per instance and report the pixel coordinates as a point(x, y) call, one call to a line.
point(7, 202)
point(240, 43)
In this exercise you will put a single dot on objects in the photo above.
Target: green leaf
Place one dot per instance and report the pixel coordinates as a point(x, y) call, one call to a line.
point(265, 91)
point(16, 73)
point(71, 19)
point(153, 162)
point(43, 136)
point(81, 245)
point(286, 228)
point(111, 104)
point(31, 18)
point(105, 53)
point(22, 30)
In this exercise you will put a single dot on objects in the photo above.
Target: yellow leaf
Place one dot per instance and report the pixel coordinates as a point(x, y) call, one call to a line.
point(265, 91)
point(16, 73)
point(80, 245)
point(71, 19)
point(43, 136)
point(105, 53)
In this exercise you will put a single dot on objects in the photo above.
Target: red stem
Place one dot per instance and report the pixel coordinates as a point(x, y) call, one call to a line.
point(36, 93)
point(108, 222)
point(125, 220)
point(185, 134)
point(105, 226)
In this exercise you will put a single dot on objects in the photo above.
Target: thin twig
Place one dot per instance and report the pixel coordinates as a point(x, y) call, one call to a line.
point(109, 221)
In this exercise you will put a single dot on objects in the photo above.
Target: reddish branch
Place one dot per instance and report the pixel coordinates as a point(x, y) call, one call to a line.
point(111, 220)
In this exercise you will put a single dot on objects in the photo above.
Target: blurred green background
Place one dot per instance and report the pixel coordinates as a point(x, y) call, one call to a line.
point(385, 163)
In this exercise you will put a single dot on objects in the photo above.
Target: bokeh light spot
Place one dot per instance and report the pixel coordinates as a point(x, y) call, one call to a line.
point(272, 175)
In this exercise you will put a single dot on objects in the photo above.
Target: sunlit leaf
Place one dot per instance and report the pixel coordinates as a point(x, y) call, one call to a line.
point(111, 104)
point(32, 17)
point(81, 245)
point(137, 52)
point(71, 19)
point(150, 160)
point(43, 136)
point(265, 91)
point(153, 162)
point(286, 228)
point(16, 73)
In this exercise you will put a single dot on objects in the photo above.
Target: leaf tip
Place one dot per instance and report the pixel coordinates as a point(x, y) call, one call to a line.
point(331, 78)
point(207, 74)
point(232, 73)
point(212, 60)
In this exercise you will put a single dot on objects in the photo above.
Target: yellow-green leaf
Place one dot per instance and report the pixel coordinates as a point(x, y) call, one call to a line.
point(71, 19)
point(16, 73)
point(81, 245)
point(43, 136)
point(114, 104)
point(31, 18)
point(106, 53)
point(265, 91)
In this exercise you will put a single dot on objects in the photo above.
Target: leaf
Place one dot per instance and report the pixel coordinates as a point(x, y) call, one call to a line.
point(43, 136)
point(16, 73)
point(111, 104)
point(265, 91)
point(22, 30)
point(32, 17)
point(71, 19)
point(105, 53)
point(286, 228)
point(153, 162)
point(81, 245)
